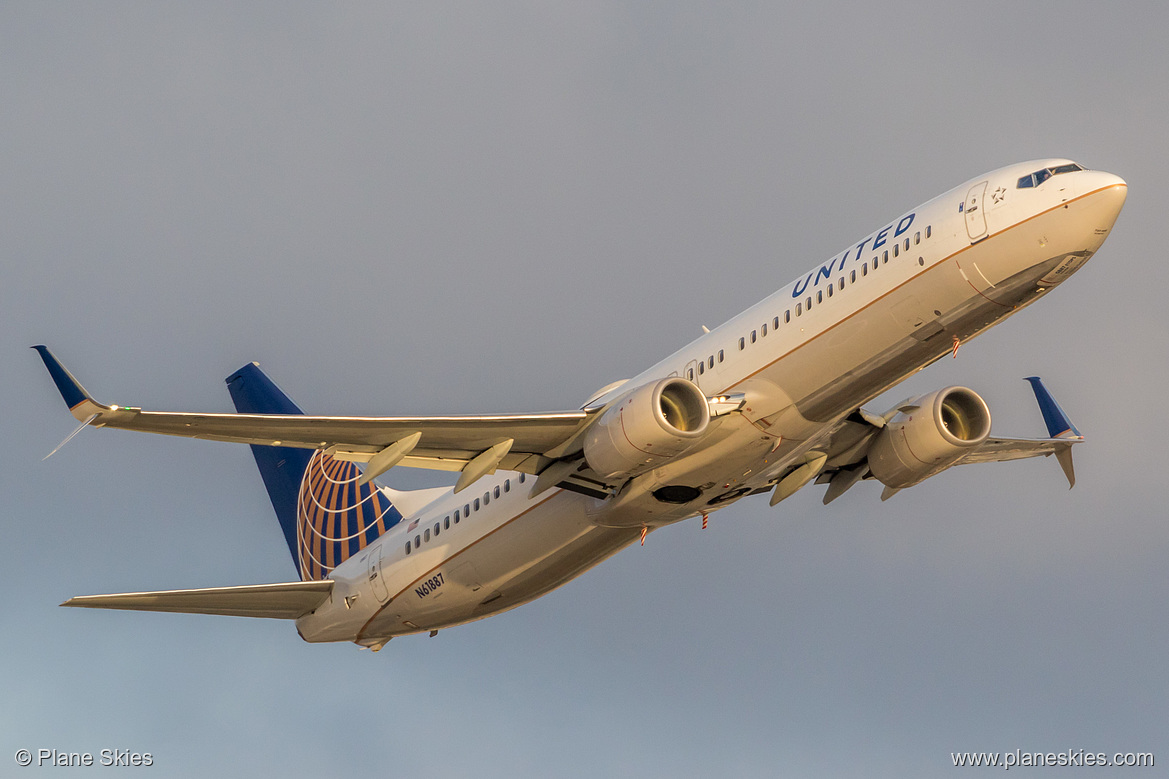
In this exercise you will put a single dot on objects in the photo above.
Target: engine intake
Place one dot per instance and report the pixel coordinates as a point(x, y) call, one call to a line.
point(924, 441)
point(646, 427)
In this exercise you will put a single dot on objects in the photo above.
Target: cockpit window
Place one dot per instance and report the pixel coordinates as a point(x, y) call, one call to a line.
point(1040, 176)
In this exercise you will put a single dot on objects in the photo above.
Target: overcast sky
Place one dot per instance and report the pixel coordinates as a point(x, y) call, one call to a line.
point(445, 208)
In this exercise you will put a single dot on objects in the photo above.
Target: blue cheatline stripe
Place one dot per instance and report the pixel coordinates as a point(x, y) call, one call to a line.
point(1054, 417)
point(71, 390)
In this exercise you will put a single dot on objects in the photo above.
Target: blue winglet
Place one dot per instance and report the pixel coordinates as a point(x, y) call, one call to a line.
point(1059, 425)
point(70, 389)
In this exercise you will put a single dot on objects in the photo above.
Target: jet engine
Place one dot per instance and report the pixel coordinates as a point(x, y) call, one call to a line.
point(928, 435)
point(647, 426)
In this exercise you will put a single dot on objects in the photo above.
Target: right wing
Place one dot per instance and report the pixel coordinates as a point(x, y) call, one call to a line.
point(475, 445)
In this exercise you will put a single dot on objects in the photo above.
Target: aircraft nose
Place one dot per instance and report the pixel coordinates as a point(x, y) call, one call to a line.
point(1105, 191)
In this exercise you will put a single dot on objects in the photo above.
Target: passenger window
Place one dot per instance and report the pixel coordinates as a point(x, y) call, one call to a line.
point(426, 535)
point(929, 229)
point(896, 246)
point(456, 516)
point(865, 269)
point(496, 492)
point(742, 344)
point(763, 330)
point(917, 238)
point(446, 523)
point(710, 360)
point(701, 368)
point(787, 316)
point(840, 284)
point(799, 307)
point(852, 277)
point(752, 336)
point(437, 527)
point(907, 243)
point(507, 485)
point(467, 509)
point(476, 504)
point(775, 324)
point(417, 541)
point(521, 478)
point(886, 257)
point(486, 498)
point(808, 304)
point(407, 547)
point(690, 374)
point(820, 296)
point(720, 355)
point(829, 290)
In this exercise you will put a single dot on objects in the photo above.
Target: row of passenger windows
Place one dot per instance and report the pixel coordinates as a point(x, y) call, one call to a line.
point(459, 514)
point(806, 304)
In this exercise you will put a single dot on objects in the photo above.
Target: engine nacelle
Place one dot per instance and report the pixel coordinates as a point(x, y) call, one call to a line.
point(646, 427)
point(917, 444)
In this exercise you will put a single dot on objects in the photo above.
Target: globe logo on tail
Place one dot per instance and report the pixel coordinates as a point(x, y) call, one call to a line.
point(335, 517)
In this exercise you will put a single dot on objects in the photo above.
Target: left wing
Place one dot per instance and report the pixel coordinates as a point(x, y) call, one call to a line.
point(1059, 426)
point(847, 460)
point(475, 445)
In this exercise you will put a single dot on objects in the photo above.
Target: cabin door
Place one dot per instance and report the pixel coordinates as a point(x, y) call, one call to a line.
point(975, 213)
point(376, 582)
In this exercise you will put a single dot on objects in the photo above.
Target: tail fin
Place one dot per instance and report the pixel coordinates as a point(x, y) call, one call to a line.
point(325, 515)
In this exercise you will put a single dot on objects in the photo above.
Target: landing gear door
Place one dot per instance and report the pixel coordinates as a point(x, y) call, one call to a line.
point(376, 583)
point(975, 213)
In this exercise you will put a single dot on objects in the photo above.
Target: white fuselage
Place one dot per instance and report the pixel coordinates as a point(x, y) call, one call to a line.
point(805, 357)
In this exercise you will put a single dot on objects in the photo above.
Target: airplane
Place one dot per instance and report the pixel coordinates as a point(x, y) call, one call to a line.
point(768, 402)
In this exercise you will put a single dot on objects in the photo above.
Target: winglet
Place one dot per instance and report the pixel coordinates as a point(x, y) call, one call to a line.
point(81, 404)
point(1059, 425)
point(70, 389)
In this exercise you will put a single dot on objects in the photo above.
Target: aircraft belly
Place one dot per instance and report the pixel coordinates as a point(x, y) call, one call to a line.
point(517, 562)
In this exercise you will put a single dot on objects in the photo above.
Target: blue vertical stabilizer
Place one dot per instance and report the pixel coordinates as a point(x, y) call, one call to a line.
point(325, 515)
point(281, 467)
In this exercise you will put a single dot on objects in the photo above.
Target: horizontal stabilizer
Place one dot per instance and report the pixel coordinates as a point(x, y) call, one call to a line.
point(287, 600)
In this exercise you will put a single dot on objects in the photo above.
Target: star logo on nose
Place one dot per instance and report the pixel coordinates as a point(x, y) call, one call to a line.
point(998, 195)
